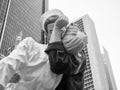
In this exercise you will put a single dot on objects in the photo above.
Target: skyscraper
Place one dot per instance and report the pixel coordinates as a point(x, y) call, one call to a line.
point(108, 70)
point(20, 16)
point(95, 77)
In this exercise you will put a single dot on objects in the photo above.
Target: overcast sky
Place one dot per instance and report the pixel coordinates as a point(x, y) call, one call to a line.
point(106, 16)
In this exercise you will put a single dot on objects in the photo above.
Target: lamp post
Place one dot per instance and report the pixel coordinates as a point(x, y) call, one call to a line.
point(18, 38)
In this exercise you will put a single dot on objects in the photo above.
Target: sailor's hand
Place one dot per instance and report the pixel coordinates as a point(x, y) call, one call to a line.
point(61, 22)
point(82, 36)
point(85, 39)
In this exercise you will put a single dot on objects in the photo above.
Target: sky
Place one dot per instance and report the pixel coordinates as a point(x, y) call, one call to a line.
point(106, 16)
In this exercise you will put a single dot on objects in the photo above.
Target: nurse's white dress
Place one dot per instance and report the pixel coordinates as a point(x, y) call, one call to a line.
point(31, 62)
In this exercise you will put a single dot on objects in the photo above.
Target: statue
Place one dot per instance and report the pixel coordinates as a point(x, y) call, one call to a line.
point(54, 66)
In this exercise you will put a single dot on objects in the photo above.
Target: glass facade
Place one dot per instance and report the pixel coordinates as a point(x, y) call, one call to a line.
point(23, 16)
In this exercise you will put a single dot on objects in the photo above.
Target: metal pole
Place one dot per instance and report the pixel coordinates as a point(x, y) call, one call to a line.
point(4, 22)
